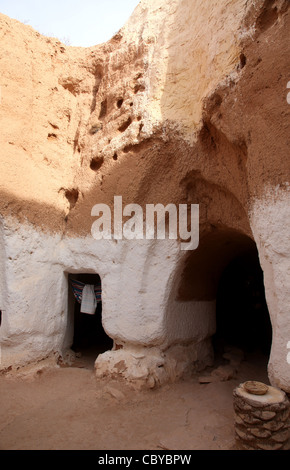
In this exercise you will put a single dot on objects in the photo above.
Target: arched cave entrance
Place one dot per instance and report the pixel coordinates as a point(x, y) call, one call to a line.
point(241, 310)
point(225, 268)
point(89, 336)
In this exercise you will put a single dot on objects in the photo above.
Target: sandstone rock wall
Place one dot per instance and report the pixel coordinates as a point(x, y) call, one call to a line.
point(185, 104)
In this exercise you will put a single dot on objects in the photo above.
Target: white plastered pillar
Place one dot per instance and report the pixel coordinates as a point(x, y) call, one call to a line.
point(270, 221)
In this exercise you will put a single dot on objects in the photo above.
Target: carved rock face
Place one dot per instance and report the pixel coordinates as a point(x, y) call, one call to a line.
point(187, 104)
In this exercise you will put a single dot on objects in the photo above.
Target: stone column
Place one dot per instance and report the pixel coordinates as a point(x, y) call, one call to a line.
point(261, 417)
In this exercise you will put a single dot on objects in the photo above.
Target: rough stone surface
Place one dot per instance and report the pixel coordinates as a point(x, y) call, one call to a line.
point(185, 104)
point(148, 367)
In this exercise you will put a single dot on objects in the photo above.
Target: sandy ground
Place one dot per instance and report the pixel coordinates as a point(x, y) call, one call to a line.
point(69, 409)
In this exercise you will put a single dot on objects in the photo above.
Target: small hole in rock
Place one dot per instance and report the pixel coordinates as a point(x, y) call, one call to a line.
point(243, 61)
point(96, 163)
point(125, 126)
point(120, 103)
point(115, 157)
point(103, 111)
point(52, 136)
point(139, 87)
point(54, 126)
point(72, 195)
point(96, 128)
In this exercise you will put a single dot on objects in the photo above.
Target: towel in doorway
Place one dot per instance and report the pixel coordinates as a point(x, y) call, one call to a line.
point(78, 290)
point(89, 301)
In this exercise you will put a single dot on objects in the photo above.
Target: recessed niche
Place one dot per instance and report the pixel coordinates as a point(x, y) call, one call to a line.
point(54, 126)
point(103, 111)
point(125, 126)
point(120, 103)
point(52, 136)
point(96, 128)
point(139, 87)
point(72, 195)
point(243, 61)
point(96, 163)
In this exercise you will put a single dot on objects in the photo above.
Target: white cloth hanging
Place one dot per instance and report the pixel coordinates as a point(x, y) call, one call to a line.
point(89, 301)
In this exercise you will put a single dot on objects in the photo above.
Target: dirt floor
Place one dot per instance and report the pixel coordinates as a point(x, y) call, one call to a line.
point(69, 409)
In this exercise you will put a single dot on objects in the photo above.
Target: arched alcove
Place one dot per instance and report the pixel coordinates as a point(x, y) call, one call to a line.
point(203, 267)
point(220, 286)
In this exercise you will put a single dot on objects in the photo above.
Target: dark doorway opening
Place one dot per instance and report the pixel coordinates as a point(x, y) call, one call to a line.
point(226, 269)
point(242, 314)
point(89, 336)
